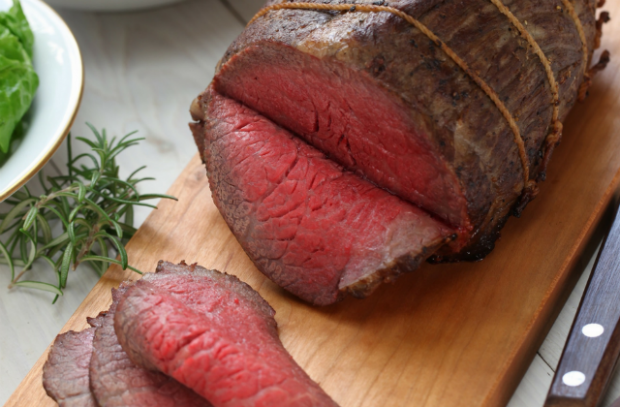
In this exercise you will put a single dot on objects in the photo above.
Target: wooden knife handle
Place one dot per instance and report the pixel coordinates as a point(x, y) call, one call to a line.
point(594, 341)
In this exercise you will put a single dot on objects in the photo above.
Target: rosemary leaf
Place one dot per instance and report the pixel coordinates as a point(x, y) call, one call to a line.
point(39, 286)
point(15, 212)
point(108, 260)
point(67, 256)
point(32, 213)
point(9, 260)
point(46, 230)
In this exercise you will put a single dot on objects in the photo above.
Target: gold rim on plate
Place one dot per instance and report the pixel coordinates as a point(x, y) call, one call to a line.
point(62, 134)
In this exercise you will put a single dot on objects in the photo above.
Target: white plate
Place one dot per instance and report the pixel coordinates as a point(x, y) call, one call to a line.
point(109, 5)
point(58, 63)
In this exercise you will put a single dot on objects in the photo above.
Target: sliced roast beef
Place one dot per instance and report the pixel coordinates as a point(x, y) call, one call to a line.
point(216, 335)
point(452, 106)
point(65, 373)
point(380, 97)
point(117, 382)
point(314, 228)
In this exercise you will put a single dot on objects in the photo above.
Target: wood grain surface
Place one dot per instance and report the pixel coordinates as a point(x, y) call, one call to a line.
point(447, 335)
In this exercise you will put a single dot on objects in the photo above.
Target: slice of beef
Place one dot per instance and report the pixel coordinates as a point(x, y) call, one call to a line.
point(313, 228)
point(117, 382)
point(376, 95)
point(65, 373)
point(216, 335)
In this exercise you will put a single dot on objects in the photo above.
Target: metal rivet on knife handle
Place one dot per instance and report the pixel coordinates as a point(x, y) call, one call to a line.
point(593, 330)
point(573, 378)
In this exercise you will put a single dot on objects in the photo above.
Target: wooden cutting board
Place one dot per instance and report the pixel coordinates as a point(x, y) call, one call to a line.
point(448, 335)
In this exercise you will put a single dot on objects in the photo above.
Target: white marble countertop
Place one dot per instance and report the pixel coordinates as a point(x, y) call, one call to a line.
point(142, 71)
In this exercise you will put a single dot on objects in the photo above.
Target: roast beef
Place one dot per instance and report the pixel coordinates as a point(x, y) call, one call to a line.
point(65, 373)
point(117, 382)
point(312, 227)
point(453, 106)
point(214, 334)
point(380, 97)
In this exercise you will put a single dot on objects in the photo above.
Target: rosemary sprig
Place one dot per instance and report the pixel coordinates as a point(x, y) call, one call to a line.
point(93, 206)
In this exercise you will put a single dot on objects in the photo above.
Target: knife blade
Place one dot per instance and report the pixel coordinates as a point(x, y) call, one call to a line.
point(593, 344)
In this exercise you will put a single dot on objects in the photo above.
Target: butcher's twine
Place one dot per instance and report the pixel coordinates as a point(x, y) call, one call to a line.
point(555, 133)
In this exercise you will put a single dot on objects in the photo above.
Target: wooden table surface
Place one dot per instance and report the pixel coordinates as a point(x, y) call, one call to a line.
point(142, 70)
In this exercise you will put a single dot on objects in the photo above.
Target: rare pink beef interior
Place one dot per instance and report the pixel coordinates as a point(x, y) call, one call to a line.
point(336, 110)
point(312, 227)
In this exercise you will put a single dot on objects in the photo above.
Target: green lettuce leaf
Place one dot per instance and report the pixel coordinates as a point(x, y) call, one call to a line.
point(18, 80)
point(16, 22)
point(11, 47)
point(18, 83)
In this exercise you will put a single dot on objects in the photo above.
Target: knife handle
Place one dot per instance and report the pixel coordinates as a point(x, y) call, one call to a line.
point(593, 345)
